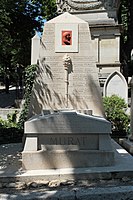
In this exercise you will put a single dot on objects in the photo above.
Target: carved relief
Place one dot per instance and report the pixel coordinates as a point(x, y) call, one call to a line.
point(66, 37)
point(74, 5)
point(67, 62)
point(84, 4)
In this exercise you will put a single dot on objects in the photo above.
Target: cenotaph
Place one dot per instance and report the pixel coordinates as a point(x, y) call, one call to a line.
point(67, 76)
point(67, 139)
point(57, 135)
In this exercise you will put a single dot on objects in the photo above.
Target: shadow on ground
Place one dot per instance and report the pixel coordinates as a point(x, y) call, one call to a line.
point(10, 159)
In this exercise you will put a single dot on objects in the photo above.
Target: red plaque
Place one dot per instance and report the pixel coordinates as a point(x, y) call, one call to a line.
point(66, 37)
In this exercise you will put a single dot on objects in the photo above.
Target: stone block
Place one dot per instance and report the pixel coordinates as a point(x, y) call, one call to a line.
point(67, 139)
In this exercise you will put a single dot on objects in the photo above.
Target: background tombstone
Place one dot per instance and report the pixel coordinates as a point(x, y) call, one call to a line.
point(49, 90)
point(35, 45)
point(116, 85)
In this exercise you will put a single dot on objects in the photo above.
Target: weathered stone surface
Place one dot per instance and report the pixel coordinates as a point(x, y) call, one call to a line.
point(53, 89)
point(116, 85)
point(67, 139)
point(80, 5)
point(67, 77)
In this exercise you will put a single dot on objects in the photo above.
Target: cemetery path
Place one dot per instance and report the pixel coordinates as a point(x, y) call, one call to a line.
point(11, 162)
point(111, 189)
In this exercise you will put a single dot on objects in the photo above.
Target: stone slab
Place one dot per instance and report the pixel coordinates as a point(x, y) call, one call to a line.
point(67, 122)
point(67, 139)
point(122, 168)
point(50, 90)
point(57, 159)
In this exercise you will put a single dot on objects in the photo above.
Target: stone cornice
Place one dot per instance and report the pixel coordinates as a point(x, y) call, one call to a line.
point(104, 65)
point(83, 5)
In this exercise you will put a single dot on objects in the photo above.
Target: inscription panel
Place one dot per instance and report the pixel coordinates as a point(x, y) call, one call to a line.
point(83, 142)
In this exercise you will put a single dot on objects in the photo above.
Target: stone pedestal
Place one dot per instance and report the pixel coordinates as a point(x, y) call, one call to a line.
point(67, 139)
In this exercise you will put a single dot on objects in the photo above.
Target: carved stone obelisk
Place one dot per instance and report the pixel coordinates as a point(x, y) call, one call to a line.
point(66, 34)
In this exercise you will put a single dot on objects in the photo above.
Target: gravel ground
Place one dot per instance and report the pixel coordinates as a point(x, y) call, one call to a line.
point(10, 159)
point(10, 164)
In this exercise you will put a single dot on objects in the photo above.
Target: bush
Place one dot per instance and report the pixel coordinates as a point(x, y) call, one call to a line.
point(11, 121)
point(115, 111)
point(9, 130)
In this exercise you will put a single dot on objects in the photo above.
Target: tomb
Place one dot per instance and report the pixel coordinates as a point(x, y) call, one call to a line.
point(67, 139)
point(57, 134)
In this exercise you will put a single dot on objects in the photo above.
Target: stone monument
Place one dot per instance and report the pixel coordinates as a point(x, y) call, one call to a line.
point(86, 5)
point(67, 76)
point(101, 15)
point(116, 85)
point(57, 136)
point(67, 139)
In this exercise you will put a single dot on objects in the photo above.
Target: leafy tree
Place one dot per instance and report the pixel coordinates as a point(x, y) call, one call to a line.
point(126, 19)
point(47, 8)
point(18, 22)
point(5, 41)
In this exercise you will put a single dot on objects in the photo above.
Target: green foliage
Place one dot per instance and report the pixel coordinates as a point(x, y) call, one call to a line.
point(124, 18)
point(115, 111)
point(11, 121)
point(9, 130)
point(29, 80)
point(47, 8)
point(18, 23)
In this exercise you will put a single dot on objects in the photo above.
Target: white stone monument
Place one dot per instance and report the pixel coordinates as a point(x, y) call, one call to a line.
point(116, 85)
point(55, 87)
point(67, 139)
point(67, 77)
point(35, 46)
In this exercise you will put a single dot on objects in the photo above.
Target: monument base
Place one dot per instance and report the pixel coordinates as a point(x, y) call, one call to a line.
point(66, 159)
point(67, 139)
